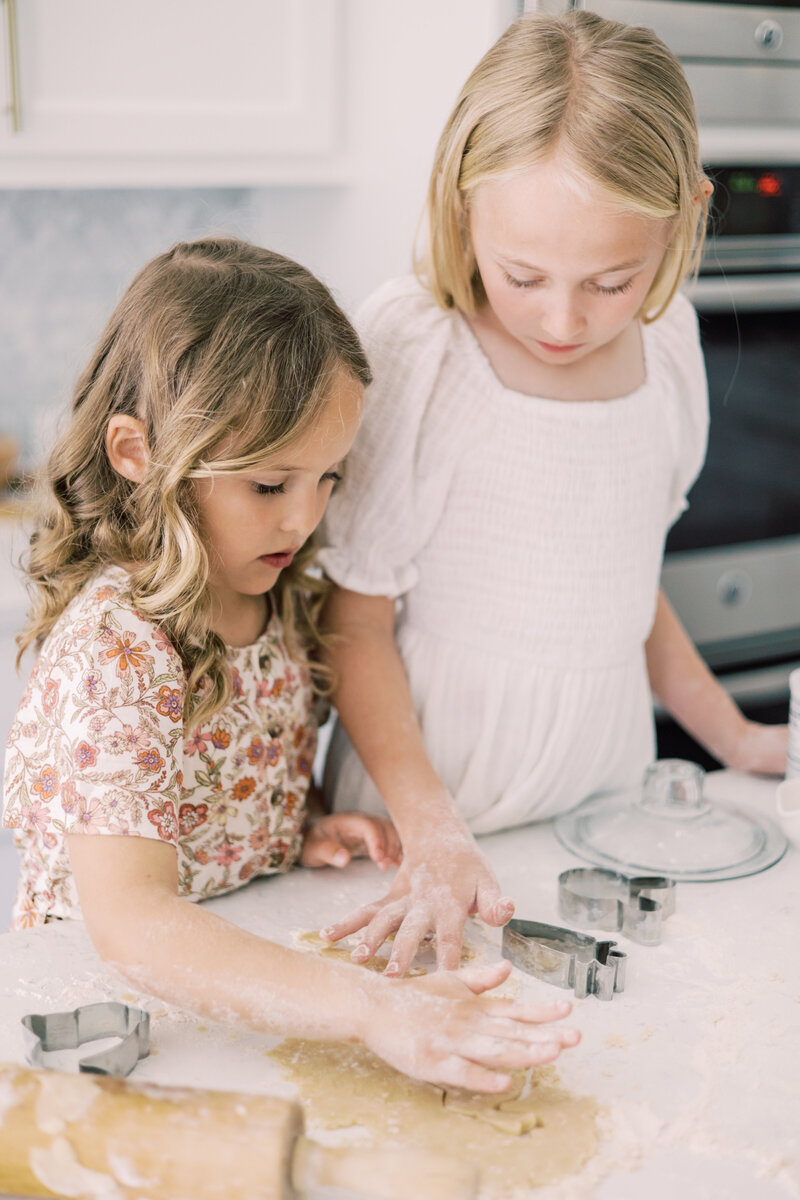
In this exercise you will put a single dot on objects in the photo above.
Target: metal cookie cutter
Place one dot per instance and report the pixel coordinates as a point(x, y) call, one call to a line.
point(603, 899)
point(565, 958)
point(67, 1030)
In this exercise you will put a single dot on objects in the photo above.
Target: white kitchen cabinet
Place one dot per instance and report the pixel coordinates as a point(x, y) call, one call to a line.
point(188, 92)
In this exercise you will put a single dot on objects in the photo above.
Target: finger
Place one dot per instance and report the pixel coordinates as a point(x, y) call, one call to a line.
point(507, 1055)
point(531, 1033)
point(462, 1073)
point(406, 943)
point(482, 979)
point(351, 923)
point(327, 853)
point(533, 1014)
point(449, 936)
point(394, 847)
point(382, 924)
point(492, 907)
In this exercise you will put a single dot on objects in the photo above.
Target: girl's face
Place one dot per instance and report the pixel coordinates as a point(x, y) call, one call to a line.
point(253, 523)
point(565, 270)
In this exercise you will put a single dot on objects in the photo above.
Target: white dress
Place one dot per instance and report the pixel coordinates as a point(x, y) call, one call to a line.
point(524, 538)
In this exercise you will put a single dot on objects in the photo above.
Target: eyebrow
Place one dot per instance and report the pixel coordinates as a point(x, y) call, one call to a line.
point(623, 266)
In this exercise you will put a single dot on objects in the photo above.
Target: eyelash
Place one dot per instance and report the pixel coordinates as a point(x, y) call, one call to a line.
point(619, 290)
point(278, 489)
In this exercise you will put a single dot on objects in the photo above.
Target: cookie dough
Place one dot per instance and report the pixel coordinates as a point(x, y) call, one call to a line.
point(535, 1134)
point(313, 941)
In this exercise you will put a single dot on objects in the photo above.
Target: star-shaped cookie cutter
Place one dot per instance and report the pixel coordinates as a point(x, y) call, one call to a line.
point(565, 958)
point(88, 1023)
point(601, 899)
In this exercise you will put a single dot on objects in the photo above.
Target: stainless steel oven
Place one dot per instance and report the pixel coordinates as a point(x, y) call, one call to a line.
point(733, 559)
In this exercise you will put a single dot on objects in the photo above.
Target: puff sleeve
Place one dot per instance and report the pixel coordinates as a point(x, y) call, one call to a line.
point(397, 474)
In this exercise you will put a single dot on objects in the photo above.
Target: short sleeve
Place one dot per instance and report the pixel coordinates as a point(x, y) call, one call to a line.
point(97, 746)
point(397, 473)
point(680, 368)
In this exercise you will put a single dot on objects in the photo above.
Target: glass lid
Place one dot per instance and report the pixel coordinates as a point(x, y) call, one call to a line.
point(667, 827)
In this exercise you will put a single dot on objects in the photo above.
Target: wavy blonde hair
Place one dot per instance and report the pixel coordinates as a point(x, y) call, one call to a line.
point(612, 99)
point(217, 342)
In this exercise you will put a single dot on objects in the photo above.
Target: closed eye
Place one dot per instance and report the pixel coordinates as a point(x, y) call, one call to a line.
point(269, 489)
point(335, 476)
point(615, 291)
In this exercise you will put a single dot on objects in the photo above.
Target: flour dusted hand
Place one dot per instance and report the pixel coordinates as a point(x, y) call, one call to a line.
point(437, 887)
point(443, 1030)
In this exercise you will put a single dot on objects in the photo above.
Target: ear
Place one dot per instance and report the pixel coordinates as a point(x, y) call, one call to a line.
point(126, 447)
point(707, 189)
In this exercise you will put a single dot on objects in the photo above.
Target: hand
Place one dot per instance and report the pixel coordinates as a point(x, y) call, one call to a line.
point(759, 748)
point(441, 1029)
point(432, 894)
point(333, 840)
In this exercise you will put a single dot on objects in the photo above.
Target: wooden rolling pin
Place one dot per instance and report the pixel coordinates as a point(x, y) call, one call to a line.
point(98, 1138)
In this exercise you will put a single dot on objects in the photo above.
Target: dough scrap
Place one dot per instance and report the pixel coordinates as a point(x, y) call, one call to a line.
point(534, 1134)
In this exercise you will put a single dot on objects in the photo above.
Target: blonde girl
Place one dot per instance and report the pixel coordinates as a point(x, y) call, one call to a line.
point(162, 752)
point(538, 415)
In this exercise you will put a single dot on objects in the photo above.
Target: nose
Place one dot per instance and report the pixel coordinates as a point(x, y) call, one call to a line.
point(562, 319)
point(301, 514)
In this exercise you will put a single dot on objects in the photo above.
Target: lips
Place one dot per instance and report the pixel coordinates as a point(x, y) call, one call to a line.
point(559, 349)
point(280, 560)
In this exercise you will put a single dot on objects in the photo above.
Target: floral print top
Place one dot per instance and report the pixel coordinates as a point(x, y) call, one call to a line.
point(98, 747)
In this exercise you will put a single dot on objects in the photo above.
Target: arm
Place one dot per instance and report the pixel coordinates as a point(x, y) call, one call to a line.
point(444, 876)
point(436, 1028)
point(689, 691)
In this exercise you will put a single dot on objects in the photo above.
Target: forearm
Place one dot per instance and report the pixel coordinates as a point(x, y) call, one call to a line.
point(688, 690)
point(190, 957)
point(374, 703)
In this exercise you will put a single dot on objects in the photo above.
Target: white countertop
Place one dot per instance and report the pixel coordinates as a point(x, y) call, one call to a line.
point(696, 1061)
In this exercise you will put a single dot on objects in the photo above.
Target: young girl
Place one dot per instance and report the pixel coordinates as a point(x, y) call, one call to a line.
point(162, 752)
point(538, 415)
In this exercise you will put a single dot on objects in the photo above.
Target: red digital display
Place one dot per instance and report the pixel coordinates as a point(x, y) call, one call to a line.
point(768, 185)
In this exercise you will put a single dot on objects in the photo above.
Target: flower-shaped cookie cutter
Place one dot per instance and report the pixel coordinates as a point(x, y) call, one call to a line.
point(89, 1023)
point(565, 958)
point(601, 899)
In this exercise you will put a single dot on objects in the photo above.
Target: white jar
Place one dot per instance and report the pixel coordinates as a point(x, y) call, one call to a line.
point(793, 758)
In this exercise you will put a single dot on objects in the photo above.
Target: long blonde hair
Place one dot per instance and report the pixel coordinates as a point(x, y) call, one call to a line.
point(612, 99)
point(214, 341)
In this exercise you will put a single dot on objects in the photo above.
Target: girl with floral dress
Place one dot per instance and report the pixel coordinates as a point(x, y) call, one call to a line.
point(162, 752)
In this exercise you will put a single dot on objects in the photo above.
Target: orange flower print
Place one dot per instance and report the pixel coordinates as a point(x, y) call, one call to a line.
point(255, 751)
point(236, 679)
point(274, 750)
point(244, 787)
point(85, 755)
point(190, 816)
point(220, 738)
point(165, 821)
point(170, 705)
point(150, 760)
point(259, 839)
point(228, 854)
point(299, 736)
point(91, 685)
point(276, 688)
point(201, 857)
point(106, 592)
point(291, 803)
point(25, 915)
point(89, 816)
point(127, 655)
point(49, 696)
point(47, 784)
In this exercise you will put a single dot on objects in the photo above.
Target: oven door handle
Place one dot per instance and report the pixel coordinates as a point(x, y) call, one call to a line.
point(748, 293)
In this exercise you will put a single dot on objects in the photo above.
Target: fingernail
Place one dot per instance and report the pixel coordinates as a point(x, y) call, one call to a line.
point(563, 1006)
point(392, 969)
point(341, 858)
point(327, 934)
point(360, 953)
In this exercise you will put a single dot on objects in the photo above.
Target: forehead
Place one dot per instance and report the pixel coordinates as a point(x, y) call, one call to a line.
point(331, 435)
point(548, 215)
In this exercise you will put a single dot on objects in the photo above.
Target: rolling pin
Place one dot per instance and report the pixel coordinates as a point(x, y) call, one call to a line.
point(99, 1138)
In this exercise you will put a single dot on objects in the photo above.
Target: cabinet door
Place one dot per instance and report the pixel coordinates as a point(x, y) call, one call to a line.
point(187, 91)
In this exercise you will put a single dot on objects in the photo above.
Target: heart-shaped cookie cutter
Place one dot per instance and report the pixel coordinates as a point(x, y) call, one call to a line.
point(89, 1023)
point(601, 899)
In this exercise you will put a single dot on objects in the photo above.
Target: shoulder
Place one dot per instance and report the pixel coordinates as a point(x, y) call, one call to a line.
point(677, 330)
point(401, 313)
point(103, 632)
